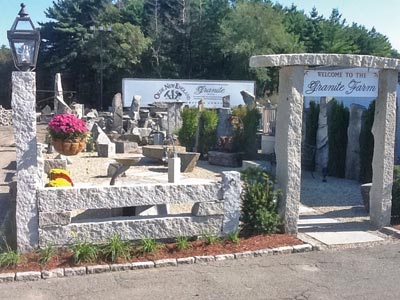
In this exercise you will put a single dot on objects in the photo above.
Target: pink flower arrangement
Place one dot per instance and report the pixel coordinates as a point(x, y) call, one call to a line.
point(67, 127)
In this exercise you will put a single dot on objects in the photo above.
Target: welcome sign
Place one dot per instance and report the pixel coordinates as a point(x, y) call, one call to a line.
point(357, 82)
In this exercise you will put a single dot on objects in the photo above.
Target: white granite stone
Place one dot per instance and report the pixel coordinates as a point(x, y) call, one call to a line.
point(121, 267)
point(185, 260)
point(246, 254)
point(342, 60)
point(142, 265)
point(7, 277)
point(53, 273)
point(208, 208)
point(128, 229)
point(204, 259)
point(224, 257)
point(384, 130)
point(231, 188)
point(28, 276)
point(169, 262)
point(53, 199)
point(283, 250)
point(302, 248)
point(97, 269)
point(51, 219)
point(75, 271)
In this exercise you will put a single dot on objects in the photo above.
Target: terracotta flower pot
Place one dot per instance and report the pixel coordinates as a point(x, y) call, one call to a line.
point(69, 147)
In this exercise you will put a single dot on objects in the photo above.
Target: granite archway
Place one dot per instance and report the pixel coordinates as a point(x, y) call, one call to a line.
point(289, 126)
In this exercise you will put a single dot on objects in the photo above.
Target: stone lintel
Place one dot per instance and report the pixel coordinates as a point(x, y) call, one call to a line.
point(323, 59)
point(53, 199)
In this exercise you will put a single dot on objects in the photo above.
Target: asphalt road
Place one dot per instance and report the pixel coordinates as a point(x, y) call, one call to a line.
point(368, 273)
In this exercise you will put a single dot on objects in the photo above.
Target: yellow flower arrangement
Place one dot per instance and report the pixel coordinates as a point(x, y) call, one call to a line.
point(59, 178)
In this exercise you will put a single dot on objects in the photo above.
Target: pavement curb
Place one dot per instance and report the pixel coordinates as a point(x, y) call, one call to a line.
point(96, 269)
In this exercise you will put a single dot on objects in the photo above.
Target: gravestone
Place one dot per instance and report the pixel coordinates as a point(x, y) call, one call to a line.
point(224, 127)
point(135, 107)
point(353, 144)
point(248, 98)
point(117, 113)
point(174, 117)
point(78, 110)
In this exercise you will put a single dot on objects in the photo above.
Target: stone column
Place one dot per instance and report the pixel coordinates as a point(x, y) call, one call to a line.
point(322, 147)
point(383, 129)
point(174, 117)
point(353, 144)
point(288, 143)
point(28, 178)
point(224, 127)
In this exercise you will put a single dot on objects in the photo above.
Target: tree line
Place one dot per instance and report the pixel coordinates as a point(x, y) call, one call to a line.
point(188, 39)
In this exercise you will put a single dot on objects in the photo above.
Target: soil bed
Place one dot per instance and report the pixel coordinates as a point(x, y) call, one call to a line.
point(30, 261)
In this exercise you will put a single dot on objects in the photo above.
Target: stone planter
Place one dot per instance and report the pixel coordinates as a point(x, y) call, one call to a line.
point(69, 147)
point(188, 161)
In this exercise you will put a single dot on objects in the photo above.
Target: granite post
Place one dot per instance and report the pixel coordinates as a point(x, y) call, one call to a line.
point(322, 147)
point(288, 143)
point(28, 176)
point(384, 130)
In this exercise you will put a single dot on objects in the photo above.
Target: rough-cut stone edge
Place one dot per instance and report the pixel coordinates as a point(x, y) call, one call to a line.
point(204, 259)
point(97, 269)
point(245, 254)
point(53, 273)
point(185, 260)
point(75, 271)
point(169, 262)
point(120, 267)
point(79, 271)
point(28, 276)
point(7, 277)
point(222, 257)
point(142, 265)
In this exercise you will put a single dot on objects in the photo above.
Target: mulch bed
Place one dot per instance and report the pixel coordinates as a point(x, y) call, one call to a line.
point(64, 258)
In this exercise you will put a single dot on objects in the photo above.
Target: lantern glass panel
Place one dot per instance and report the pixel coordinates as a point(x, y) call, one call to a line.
point(25, 51)
point(24, 25)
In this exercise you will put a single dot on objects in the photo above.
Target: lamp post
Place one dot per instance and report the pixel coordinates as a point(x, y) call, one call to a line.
point(24, 42)
point(101, 30)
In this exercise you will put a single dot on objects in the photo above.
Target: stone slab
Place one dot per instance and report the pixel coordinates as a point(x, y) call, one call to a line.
point(76, 271)
point(169, 262)
point(28, 276)
point(204, 259)
point(53, 273)
point(98, 269)
point(54, 164)
point(159, 151)
point(128, 229)
point(344, 237)
point(208, 208)
point(51, 219)
point(53, 199)
point(185, 260)
point(106, 150)
point(7, 277)
point(142, 265)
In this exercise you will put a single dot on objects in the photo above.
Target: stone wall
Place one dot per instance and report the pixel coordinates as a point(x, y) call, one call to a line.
point(216, 208)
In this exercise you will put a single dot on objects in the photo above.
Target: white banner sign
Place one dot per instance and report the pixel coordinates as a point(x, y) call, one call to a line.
point(216, 94)
point(357, 82)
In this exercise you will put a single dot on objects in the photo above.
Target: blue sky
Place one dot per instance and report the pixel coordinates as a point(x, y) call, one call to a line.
point(382, 15)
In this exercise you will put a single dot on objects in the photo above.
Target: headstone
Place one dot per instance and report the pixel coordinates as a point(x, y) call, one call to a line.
point(46, 110)
point(224, 127)
point(106, 150)
point(174, 117)
point(125, 146)
point(60, 107)
point(99, 135)
point(92, 114)
point(248, 98)
point(78, 110)
point(322, 147)
point(117, 111)
point(353, 144)
point(135, 106)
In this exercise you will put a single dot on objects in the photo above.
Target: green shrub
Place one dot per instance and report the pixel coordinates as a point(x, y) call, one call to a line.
point(245, 135)
point(182, 243)
point(210, 239)
point(311, 131)
point(208, 131)
point(84, 252)
point(9, 258)
point(259, 202)
point(187, 134)
point(46, 253)
point(338, 121)
point(148, 245)
point(396, 193)
point(233, 236)
point(367, 144)
point(116, 248)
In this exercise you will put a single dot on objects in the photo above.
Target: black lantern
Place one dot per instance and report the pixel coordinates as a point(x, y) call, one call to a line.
point(24, 41)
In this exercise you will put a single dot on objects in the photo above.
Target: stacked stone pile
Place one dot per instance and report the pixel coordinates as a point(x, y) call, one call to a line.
point(5, 116)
